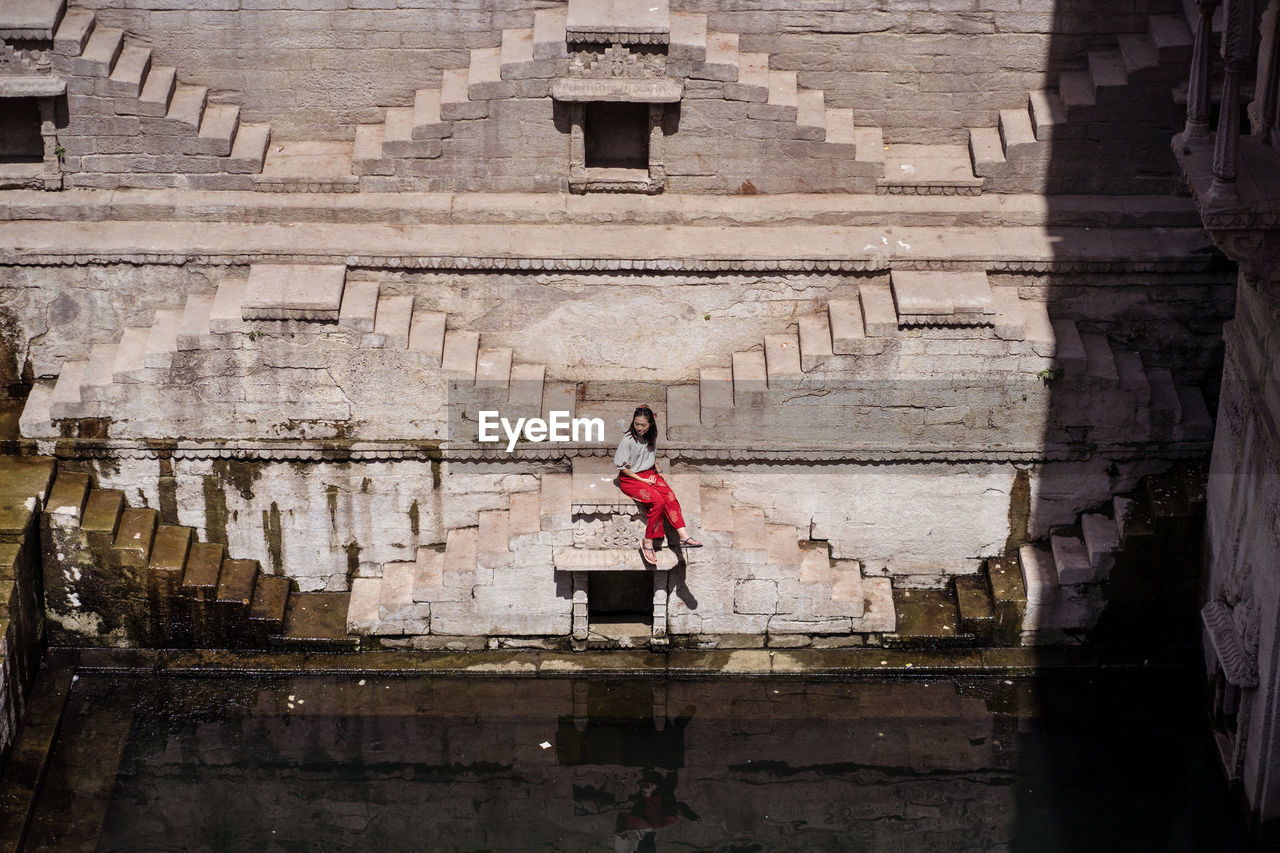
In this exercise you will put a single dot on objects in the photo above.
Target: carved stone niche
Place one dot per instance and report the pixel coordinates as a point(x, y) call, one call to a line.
point(30, 156)
point(615, 127)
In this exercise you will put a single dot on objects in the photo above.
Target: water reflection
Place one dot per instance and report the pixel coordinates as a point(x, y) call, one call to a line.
point(388, 764)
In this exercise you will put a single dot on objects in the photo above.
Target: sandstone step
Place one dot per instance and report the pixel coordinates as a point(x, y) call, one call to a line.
point(157, 93)
point(782, 103)
point(101, 370)
point(101, 517)
point(815, 340)
point(1132, 376)
point(456, 103)
point(427, 123)
point(428, 575)
point(249, 151)
point(870, 144)
point(35, 420)
point(1075, 88)
point(398, 613)
point(1039, 575)
point(782, 359)
point(715, 391)
point(880, 314)
point(100, 53)
point(986, 150)
point(943, 297)
point(187, 105)
point(398, 139)
point(427, 334)
point(392, 321)
point(526, 387)
point(293, 292)
point(316, 621)
point(847, 588)
point(1173, 39)
point(68, 495)
point(458, 359)
point(926, 617)
point(73, 32)
point(1138, 51)
point(493, 368)
point(1166, 407)
point(1047, 113)
point(1133, 519)
point(1101, 541)
point(1016, 132)
point(218, 129)
point(131, 354)
point(847, 328)
point(200, 575)
point(363, 608)
point(840, 128)
point(925, 169)
point(1071, 559)
point(130, 71)
point(750, 379)
point(721, 62)
point(1069, 351)
point(518, 61)
point(1100, 361)
point(228, 301)
point(975, 608)
point(270, 600)
point(811, 115)
point(549, 33)
point(559, 397)
point(1008, 596)
point(66, 390)
point(1196, 424)
point(235, 585)
point(162, 339)
point(484, 75)
point(359, 308)
point(753, 79)
point(366, 151)
point(193, 322)
point(688, 37)
point(1010, 316)
point(169, 551)
point(878, 616)
point(1106, 71)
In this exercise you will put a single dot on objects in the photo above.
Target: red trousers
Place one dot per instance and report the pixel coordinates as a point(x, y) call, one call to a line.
point(660, 502)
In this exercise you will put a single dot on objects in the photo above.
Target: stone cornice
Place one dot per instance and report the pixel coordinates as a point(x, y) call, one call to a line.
point(389, 451)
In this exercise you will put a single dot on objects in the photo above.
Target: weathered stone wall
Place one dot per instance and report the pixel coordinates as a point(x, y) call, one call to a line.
point(1243, 519)
point(924, 72)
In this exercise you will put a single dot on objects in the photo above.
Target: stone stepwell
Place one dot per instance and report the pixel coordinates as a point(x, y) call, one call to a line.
point(140, 582)
point(202, 371)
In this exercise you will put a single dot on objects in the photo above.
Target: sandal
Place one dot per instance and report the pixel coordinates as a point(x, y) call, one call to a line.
point(648, 555)
point(690, 542)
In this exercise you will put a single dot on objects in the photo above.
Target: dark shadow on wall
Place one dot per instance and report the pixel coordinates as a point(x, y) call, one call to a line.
point(1139, 362)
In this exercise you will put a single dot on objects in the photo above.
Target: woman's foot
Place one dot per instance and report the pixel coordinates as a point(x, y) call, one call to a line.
point(648, 554)
point(690, 542)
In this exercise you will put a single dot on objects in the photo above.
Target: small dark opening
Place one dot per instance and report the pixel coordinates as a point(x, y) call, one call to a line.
point(626, 596)
point(20, 140)
point(617, 136)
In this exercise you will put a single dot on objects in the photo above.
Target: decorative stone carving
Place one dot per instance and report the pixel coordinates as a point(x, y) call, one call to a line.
point(604, 527)
point(16, 60)
point(618, 61)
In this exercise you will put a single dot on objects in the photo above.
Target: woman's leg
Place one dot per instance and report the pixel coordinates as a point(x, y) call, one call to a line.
point(654, 502)
point(672, 509)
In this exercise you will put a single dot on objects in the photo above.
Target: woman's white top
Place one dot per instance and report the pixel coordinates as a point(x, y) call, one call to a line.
point(634, 455)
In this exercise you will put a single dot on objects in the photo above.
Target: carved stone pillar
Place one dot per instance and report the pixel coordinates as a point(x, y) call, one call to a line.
point(1198, 100)
point(52, 151)
point(1237, 45)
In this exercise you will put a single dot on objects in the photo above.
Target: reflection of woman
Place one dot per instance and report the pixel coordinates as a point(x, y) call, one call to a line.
point(653, 807)
point(639, 479)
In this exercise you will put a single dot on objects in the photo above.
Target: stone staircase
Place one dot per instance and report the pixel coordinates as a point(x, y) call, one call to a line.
point(1120, 575)
point(116, 574)
point(1053, 123)
point(1009, 335)
point(292, 299)
point(114, 76)
point(486, 578)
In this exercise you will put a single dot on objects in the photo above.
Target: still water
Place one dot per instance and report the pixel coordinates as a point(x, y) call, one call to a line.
point(1066, 763)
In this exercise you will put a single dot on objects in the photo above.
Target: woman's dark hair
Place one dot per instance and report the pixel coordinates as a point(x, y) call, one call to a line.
point(651, 437)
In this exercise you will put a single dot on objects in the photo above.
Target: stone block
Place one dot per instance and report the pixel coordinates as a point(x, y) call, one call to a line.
point(880, 319)
point(525, 514)
point(755, 597)
point(556, 501)
point(363, 610)
point(847, 328)
point(293, 292)
point(1071, 560)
